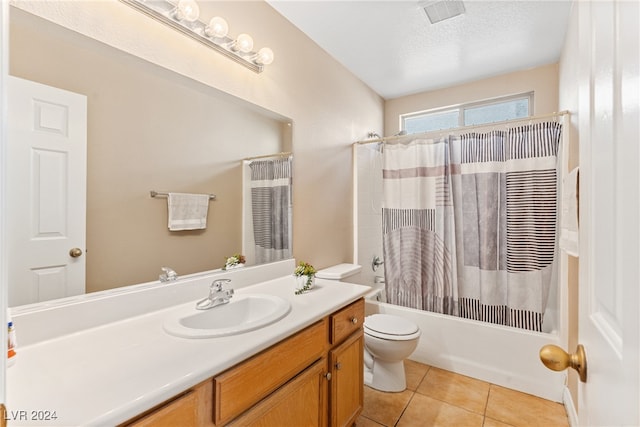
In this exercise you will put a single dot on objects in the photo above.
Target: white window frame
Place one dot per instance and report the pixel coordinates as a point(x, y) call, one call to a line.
point(462, 107)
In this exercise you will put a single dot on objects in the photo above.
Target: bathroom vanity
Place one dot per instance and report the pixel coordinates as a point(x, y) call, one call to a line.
point(310, 378)
point(90, 368)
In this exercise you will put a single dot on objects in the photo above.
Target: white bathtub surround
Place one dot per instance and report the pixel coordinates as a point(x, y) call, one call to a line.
point(104, 358)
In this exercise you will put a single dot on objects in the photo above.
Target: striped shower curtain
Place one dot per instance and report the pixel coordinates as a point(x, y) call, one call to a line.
point(271, 208)
point(418, 226)
point(469, 223)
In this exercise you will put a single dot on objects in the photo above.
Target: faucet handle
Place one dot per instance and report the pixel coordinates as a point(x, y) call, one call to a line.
point(168, 274)
point(217, 284)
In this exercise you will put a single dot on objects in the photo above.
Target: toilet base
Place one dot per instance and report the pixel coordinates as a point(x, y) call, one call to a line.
point(386, 376)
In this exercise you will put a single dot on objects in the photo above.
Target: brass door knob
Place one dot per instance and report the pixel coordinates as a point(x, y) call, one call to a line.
point(75, 252)
point(557, 359)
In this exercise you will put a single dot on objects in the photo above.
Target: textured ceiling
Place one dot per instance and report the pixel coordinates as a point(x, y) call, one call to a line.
point(393, 48)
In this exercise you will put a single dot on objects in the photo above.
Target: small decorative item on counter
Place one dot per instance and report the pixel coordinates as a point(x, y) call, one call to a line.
point(234, 261)
point(11, 342)
point(305, 275)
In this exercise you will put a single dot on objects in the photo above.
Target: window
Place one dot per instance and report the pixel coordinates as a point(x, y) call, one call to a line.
point(495, 110)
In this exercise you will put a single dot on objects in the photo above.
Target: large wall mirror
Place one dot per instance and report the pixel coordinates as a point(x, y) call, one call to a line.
point(148, 128)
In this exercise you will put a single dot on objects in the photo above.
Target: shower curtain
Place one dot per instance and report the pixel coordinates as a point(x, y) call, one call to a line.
point(469, 223)
point(418, 226)
point(270, 183)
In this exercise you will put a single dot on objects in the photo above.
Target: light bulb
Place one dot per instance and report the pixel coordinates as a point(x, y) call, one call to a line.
point(244, 43)
point(264, 56)
point(217, 27)
point(187, 10)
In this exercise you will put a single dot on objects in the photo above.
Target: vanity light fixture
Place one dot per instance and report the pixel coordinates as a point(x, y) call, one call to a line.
point(184, 16)
point(243, 43)
point(187, 10)
point(217, 28)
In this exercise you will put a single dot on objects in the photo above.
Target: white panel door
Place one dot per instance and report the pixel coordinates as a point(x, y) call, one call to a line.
point(609, 212)
point(46, 192)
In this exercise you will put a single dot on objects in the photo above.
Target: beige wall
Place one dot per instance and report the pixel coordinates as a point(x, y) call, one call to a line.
point(543, 81)
point(330, 108)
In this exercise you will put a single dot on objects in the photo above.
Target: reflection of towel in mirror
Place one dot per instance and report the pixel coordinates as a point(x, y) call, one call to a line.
point(187, 211)
point(569, 214)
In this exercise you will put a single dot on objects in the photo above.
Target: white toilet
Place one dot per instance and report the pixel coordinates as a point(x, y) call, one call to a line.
point(388, 339)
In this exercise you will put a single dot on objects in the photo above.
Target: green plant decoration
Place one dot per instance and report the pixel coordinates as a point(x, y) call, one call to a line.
point(305, 269)
point(234, 261)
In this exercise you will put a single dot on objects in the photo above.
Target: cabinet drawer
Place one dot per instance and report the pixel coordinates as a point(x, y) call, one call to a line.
point(237, 389)
point(346, 321)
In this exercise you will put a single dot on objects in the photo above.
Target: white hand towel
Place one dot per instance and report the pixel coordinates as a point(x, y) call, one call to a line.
point(569, 220)
point(187, 211)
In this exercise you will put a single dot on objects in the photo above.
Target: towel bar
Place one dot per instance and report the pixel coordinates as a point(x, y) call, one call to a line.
point(154, 193)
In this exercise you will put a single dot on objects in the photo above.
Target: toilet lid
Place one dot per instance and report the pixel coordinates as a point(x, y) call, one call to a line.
point(390, 325)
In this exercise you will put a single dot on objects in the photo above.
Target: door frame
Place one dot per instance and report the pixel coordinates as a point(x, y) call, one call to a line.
point(4, 72)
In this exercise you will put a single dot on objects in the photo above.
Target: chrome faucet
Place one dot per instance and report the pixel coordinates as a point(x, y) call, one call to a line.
point(377, 262)
point(168, 275)
point(217, 295)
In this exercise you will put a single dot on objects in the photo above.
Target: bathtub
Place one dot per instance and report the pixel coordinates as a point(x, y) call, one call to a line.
point(497, 354)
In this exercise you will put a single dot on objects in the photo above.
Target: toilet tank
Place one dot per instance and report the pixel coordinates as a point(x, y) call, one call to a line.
point(340, 272)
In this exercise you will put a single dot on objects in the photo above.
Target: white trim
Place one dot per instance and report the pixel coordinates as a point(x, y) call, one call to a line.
point(562, 288)
point(570, 408)
point(354, 201)
point(4, 72)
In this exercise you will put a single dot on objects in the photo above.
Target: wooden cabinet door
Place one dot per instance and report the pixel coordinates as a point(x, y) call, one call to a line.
point(346, 393)
point(301, 402)
point(244, 385)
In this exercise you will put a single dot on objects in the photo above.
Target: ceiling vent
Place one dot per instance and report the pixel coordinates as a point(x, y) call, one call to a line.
point(444, 9)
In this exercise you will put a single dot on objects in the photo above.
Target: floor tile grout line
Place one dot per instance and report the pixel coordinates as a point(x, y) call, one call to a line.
point(404, 409)
point(452, 404)
point(486, 403)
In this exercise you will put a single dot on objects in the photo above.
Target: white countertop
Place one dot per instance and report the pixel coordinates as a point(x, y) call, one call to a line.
point(108, 374)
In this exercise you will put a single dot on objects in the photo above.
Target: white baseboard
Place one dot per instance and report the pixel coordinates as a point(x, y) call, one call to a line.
point(570, 408)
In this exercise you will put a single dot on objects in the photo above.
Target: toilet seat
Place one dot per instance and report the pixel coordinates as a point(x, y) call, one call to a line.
point(389, 327)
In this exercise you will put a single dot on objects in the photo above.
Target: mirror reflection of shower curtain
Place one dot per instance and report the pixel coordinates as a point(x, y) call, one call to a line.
point(268, 210)
point(469, 223)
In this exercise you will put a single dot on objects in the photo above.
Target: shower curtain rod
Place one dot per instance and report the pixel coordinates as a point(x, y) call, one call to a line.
point(264, 156)
point(461, 129)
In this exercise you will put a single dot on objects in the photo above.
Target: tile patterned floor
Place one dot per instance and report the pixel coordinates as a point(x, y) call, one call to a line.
point(435, 397)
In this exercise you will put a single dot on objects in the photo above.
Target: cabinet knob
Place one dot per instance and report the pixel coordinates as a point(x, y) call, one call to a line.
point(338, 366)
point(328, 376)
point(354, 320)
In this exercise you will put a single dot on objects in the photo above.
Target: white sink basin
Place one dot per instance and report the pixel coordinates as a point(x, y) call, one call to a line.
point(242, 314)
